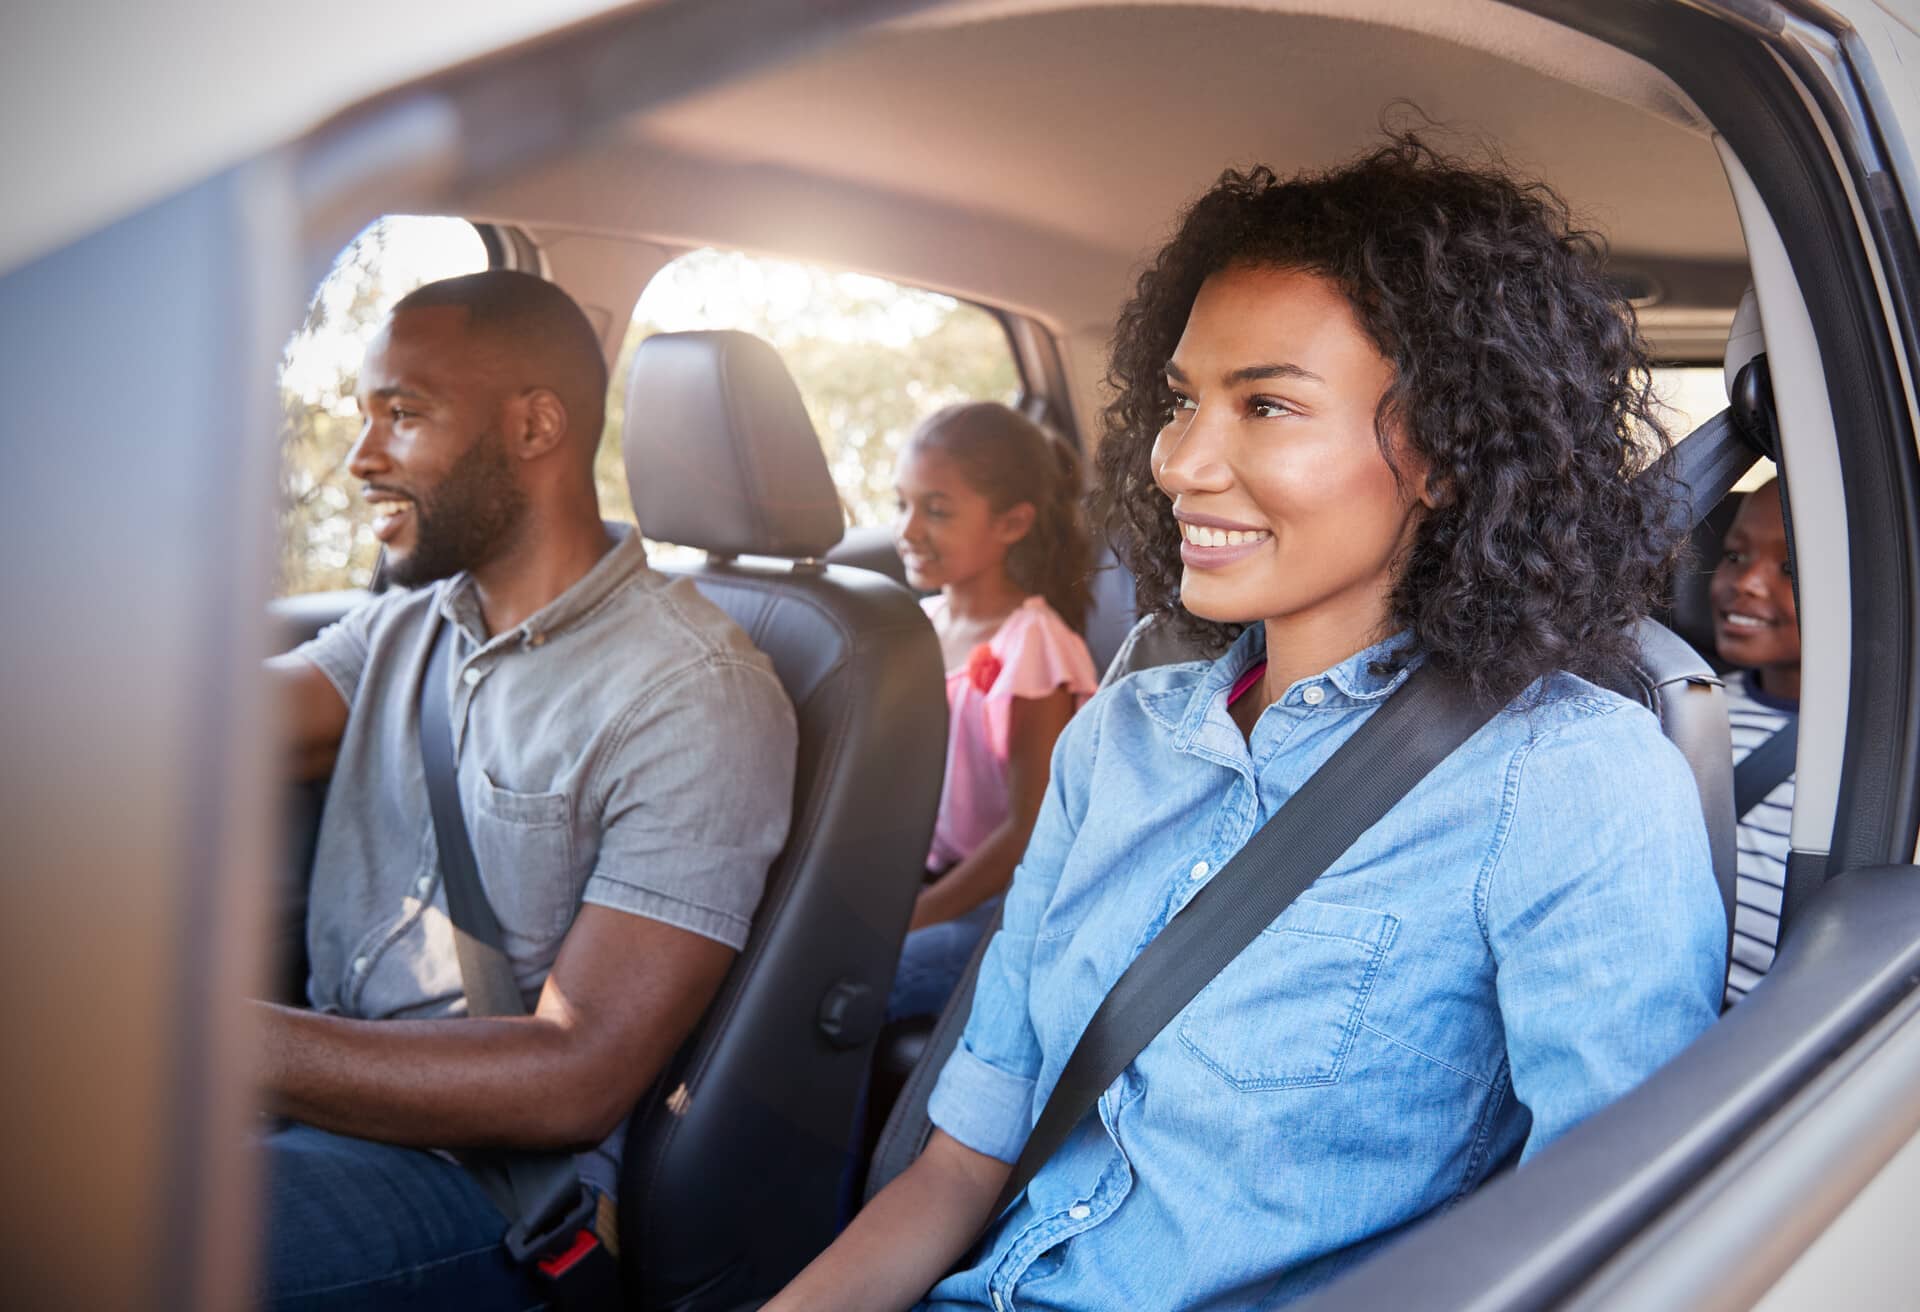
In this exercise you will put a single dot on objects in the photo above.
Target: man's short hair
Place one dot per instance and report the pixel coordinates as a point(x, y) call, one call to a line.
point(533, 317)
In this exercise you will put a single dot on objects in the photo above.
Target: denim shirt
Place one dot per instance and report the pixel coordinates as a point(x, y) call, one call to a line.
point(1529, 934)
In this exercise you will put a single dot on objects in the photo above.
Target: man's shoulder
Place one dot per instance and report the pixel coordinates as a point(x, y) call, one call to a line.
point(658, 632)
point(379, 620)
point(674, 624)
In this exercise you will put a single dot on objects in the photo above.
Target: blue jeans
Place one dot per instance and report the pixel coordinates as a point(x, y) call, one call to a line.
point(357, 1224)
point(932, 959)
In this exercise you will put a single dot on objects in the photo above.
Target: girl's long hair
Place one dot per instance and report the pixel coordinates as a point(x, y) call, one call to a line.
point(1008, 458)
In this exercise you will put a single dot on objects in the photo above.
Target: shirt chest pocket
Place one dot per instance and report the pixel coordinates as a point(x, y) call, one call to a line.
point(524, 844)
point(1283, 1014)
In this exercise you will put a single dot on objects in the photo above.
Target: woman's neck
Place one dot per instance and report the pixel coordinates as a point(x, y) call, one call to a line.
point(1301, 647)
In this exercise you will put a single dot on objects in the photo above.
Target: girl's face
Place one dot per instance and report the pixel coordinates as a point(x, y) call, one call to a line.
point(1287, 509)
point(945, 530)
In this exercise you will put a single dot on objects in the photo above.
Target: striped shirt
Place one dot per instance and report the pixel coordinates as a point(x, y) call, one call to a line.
point(1764, 837)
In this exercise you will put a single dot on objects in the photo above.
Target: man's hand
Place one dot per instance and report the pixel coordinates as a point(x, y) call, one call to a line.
point(623, 996)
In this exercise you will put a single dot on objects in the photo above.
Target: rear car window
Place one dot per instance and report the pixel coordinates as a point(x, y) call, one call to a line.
point(872, 359)
point(326, 538)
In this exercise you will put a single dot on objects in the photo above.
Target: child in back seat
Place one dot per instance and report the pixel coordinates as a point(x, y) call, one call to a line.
point(989, 515)
point(1756, 629)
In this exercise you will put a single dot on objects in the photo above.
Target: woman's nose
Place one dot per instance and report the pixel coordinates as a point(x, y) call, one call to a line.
point(1190, 456)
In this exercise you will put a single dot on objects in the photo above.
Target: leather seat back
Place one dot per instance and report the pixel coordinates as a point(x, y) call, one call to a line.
point(732, 1169)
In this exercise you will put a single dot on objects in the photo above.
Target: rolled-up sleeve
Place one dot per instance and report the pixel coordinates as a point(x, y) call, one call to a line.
point(985, 1094)
point(699, 795)
point(340, 650)
point(1605, 922)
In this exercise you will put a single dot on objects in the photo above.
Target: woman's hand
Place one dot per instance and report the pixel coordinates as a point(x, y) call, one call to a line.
point(906, 1238)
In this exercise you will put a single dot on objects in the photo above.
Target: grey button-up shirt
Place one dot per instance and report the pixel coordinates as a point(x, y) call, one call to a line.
point(625, 746)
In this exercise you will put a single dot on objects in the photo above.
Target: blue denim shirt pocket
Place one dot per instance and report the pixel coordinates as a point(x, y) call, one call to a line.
point(523, 843)
point(1285, 1012)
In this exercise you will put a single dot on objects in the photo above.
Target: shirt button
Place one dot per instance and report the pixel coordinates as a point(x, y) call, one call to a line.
point(1313, 694)
point(359, 965)
point(999, 1304)
point(1079, 1211)
point(471, 677)
point(1199, 870)
point(426, 882)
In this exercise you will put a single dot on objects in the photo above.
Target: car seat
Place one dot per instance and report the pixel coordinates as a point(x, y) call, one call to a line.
point(732, 1168)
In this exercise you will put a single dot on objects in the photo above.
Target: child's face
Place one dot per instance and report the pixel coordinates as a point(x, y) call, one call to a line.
point(1755, 625)
point(945, 531)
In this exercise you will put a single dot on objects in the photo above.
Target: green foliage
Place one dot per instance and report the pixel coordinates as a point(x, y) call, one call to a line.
point(872, 360)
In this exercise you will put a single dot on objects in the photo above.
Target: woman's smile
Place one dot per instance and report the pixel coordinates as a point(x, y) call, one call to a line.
point(1210, 543)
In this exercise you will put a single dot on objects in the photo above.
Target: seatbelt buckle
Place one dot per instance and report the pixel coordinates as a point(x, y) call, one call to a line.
point(558, 1248)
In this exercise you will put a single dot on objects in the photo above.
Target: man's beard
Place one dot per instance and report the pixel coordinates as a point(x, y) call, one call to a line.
point(464, 522)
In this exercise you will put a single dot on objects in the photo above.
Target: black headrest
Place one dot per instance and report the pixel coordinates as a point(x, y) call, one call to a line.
point(720, 452)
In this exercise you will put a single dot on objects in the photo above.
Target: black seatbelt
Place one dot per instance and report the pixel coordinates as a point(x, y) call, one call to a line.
point(1765, 768)
point(1399, 744)
point(550, 1213)
point(1706, 464)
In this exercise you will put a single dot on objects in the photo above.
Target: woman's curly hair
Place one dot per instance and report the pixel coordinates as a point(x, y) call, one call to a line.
point(1519, 376)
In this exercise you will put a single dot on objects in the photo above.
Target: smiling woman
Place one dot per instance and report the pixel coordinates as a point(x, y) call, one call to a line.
point(1368, 419)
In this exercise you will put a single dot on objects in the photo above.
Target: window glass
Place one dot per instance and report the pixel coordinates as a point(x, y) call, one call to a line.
point(326, 540)
point(872, 359)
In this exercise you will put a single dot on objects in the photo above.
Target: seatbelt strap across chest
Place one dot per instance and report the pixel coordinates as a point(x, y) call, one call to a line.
point(1417, 727)
point(550, 1213)
point(1765, 768)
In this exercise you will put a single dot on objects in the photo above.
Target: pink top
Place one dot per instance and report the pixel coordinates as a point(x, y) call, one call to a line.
point(1030, 655)
point(1246, 681)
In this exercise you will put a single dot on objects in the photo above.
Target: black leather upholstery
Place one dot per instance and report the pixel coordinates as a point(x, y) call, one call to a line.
point(732, 1168)
point(1113, 615)
point(1669, 678)
point(869, 547)
point(724, 443)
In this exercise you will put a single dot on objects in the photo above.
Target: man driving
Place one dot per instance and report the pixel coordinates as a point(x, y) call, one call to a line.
point(625, 765)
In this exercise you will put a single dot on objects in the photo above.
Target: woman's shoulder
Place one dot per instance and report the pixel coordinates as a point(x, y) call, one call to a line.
point(1564, 724)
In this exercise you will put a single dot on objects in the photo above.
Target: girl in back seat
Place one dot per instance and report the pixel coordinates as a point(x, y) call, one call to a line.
point(989, 516)
point(1365, 420)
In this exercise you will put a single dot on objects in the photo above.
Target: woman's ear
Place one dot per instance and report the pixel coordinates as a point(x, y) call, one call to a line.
point(1014, 523)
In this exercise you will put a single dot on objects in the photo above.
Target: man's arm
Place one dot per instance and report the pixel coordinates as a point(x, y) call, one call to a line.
point(313, 715)
point(623, 995)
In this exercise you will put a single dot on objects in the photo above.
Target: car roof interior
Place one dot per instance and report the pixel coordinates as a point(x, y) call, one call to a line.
point(1027, 154)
